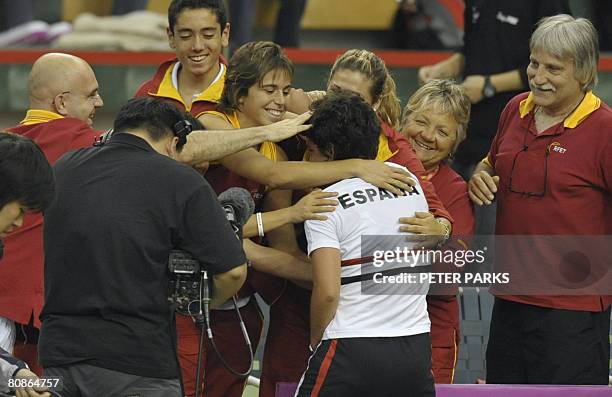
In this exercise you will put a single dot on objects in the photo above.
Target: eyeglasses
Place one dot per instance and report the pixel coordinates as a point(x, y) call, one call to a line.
point(92, 97)
point(527, 162)
point(539, 193)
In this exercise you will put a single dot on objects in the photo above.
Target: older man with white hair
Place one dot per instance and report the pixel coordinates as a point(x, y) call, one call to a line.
point(550, 169)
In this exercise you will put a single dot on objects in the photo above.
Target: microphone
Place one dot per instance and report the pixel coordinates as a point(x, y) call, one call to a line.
point(239, 206)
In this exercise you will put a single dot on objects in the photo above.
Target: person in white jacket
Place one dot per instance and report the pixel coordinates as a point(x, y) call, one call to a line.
point(369, 327)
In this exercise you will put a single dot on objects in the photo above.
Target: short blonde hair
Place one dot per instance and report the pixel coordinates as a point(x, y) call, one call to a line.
point(441, 96)
point(566, 37)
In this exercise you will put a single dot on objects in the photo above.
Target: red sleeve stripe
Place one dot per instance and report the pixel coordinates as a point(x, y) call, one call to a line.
point(356, 261)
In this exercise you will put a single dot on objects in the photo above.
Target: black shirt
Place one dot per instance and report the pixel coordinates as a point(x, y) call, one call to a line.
point(497, 34)
point(119, 210)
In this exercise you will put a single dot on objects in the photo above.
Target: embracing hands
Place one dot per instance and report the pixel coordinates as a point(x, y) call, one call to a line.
point(393, 179)
point(313, 205)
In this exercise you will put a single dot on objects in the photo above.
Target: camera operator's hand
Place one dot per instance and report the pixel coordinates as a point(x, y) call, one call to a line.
point(29, 391)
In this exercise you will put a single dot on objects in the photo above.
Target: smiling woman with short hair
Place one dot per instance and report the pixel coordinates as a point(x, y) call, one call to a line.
point(435, 121)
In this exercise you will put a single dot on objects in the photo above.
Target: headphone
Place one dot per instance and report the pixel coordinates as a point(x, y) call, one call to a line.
point(104, 138)
point(181, 130)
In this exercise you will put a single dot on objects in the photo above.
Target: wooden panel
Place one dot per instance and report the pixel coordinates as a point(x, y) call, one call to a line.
point(349, 14)
point(160, 6)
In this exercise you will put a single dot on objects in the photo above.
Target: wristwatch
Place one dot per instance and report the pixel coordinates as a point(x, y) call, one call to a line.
point(447, 232)
point(488, 90)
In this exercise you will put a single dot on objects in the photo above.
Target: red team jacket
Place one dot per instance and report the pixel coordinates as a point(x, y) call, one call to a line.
point(21, 272)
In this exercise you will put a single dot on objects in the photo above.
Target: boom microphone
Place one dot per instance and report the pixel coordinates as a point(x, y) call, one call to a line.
point(238, 205)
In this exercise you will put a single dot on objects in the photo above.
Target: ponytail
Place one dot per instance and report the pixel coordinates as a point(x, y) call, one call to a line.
point(383, 87)
point(390, 109)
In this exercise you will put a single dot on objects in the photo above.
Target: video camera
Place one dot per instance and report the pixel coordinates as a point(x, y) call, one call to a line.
point(189, 285)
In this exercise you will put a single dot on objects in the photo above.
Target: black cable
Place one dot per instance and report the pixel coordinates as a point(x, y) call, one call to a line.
point(200, 349)
point(204, 300)
point(246, 338)
point(207, 323)
point(202, 319)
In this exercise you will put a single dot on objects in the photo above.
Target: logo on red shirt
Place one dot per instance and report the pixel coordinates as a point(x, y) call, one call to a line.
point(556, 147)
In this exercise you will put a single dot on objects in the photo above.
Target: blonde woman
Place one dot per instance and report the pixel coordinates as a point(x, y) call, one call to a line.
point(435, 121)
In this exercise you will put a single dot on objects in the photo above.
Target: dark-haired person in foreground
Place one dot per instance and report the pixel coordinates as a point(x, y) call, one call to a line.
point(364, 73)
point(27, 185)
point(107, 327)
point(367, 339)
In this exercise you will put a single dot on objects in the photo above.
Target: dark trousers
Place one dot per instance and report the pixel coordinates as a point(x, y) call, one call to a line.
point(121, 7)
point(286, 31)
point(286, 352)
point(83, 380)
point(537, 345)
point(370, 367)
point(14, 13)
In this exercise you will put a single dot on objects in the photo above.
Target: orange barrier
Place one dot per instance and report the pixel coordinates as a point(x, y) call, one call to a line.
point(394, 59)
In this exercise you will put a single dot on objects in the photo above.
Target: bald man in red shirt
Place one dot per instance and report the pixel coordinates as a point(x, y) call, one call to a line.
point(64, 96)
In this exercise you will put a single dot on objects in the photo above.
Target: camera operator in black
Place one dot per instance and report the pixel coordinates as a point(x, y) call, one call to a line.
point(107, 327)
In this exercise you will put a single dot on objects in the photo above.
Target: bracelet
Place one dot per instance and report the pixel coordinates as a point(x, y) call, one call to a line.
point(447, 231)
point(260, 228)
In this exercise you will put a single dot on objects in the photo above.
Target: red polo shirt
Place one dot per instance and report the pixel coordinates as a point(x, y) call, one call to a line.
point(162, 86)
point(444, 310)
point(576, 186)
point(21, 268)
